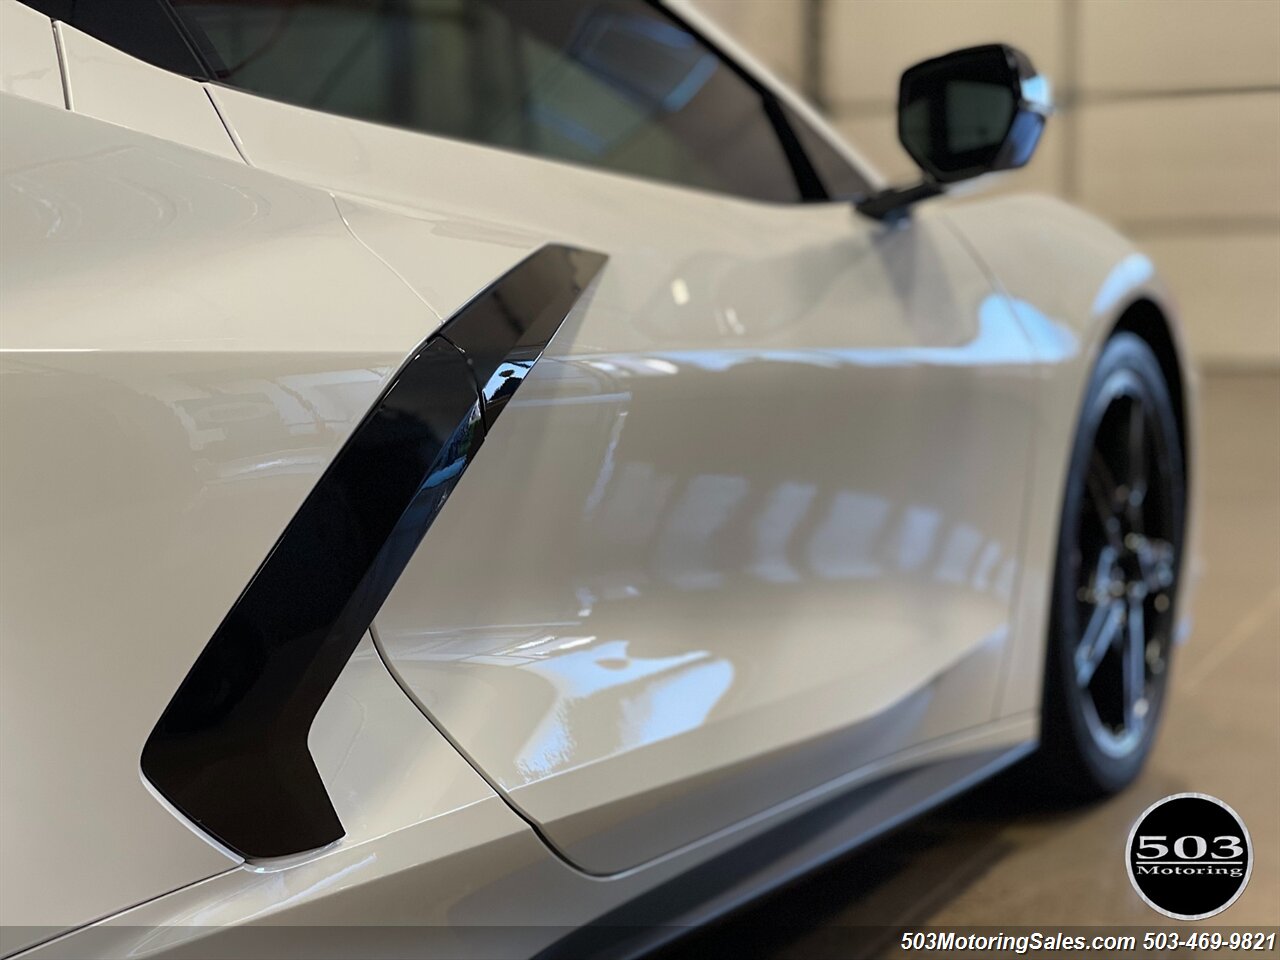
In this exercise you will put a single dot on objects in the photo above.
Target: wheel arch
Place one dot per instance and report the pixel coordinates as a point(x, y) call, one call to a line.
point(1146, 319)
point(1077, 282)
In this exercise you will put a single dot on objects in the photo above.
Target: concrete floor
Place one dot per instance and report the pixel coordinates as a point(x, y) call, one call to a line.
point(991, 858)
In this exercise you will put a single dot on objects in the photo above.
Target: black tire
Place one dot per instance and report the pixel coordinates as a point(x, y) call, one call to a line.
point(1115, 582)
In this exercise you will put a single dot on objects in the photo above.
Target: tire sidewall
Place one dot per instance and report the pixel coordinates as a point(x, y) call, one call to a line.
point(1064, 721)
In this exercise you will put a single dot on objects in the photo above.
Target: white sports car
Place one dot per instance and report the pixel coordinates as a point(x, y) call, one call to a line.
point(505, 470)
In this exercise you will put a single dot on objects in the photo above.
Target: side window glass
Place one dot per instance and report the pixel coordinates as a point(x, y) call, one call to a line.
point(613, 84)
point(840, 178)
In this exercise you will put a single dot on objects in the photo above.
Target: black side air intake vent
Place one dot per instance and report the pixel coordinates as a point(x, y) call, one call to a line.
point(230, 750)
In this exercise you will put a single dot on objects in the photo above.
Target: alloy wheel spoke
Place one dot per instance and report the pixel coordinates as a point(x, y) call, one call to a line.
point(1125, 599)
point(1100, 635)
point(1137, 464)
point(1155, 559)
point(1102, 494)
point(1135, 668)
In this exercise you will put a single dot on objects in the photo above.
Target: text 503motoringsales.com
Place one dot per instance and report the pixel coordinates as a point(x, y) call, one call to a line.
point(1109, 944)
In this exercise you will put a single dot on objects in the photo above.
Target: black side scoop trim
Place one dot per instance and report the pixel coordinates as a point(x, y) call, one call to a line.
point(230, 750)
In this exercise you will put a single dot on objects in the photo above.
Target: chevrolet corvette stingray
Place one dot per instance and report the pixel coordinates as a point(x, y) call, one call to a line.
point(504, 478)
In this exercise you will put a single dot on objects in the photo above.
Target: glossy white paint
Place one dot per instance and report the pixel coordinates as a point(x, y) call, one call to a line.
point(385, 767)
point(28, 55)
point(752, 533)
point(104, 83)
point(752, 523)
point(414, 246)
point(472, 881)
point(167, 398)
point(1025, 239)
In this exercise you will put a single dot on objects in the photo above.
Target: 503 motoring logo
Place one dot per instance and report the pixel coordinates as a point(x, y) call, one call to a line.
point(1189, 856)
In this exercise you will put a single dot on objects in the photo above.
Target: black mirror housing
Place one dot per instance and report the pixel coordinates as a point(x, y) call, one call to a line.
point(972, 111)
point(963, 114)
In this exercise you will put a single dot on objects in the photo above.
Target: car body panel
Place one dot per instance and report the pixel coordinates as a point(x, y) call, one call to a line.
point(857, 614)
point(29, 56)
point(1070, 278)
point(168, 399)
point(474, 881)
point(707, 628)
point(104, 83)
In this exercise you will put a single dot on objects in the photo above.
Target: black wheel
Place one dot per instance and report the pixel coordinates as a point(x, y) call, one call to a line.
point(1116, 578)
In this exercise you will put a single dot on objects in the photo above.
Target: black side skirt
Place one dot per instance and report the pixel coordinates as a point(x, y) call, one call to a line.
point(230, 750)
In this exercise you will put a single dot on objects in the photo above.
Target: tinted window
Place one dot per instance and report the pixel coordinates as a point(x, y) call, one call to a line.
point(610, 83)
point(838, 175)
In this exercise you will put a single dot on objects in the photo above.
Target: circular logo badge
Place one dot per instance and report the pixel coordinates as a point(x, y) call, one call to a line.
point(1189, 856)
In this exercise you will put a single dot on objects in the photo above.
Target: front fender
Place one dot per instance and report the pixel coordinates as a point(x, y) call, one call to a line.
point(1071, 279)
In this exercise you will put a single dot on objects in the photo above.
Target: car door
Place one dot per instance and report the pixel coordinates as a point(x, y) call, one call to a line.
point(749, 530)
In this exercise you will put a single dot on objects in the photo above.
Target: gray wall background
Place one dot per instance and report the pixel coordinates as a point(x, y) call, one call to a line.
point(1169, 124)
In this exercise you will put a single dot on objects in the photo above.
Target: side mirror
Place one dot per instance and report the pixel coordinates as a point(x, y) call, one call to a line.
point(964, 114)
